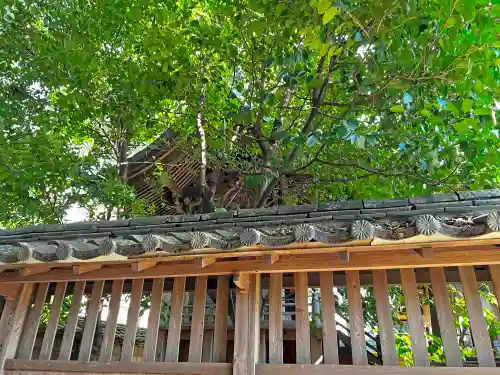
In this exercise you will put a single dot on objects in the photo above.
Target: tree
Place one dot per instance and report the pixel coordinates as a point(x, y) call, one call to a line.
point(353, 99)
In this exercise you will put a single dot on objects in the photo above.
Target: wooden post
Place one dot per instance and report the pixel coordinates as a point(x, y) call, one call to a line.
point(221, 313)
point(208, 347)
point(175, 320)
point(246, 336)
point(330, 341)
point(276, 318)
point(356, 321)
point(150, 346)
point(302, 332)
point(111, 322)
point(14, 324)
point(198, 322)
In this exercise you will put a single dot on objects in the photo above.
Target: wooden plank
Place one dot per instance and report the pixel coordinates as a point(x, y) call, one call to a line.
point(356, 321)
point(205, 262)
point(415, 321)
point(495, 278)
point(120, 367)
point(153, 320)
point(303, 335)
point(91, 321)
point(32, 323)
point(71, 322)
point(330, 341)
point(276, 318)
point(13, 327)
point(271, 259)
point(128, 344)
point(175, 320)
point(208, 347)
point(242, 281)
point(6, 322)
point(384, 316)
point(254, 304)
point(221, 315)
point(198, 320)
point(263, 347)
point(368, 370)
point(482, 340)
point(34, 270)
point(298, 263)
point(445, 317)
point(241, 333)
point(111, 322)
point(55, 313)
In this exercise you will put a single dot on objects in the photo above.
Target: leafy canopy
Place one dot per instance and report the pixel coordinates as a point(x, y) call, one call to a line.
point(355, 99)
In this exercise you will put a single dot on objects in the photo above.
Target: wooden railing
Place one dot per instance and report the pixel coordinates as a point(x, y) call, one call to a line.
point(62, 343)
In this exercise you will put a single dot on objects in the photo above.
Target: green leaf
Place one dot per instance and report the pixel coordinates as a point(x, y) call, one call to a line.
point(467, 105)
point(482, 111)
point(360, 141)
point(397, 109)
point(323, 5)
point(330, 14)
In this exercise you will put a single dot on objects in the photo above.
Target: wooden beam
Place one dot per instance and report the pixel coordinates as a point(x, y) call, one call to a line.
point(372, 370)
point(425, 252)
point(175, 320)
point(276, 318)
point(13, 327)
point(303, 335)
point(297, 263)
point(482, 340)
point(55, 313)
point(32, 323)
point(141, 266)
point(80, 269)
point(204, 262)
point(221, 314)
point(111, 322)
point(445, 317)
point(330, 341)
point(71, 322)
point(415, 320)
point(128, 344)
point(356, 321)
point(384, 315)
point(90, 322)
point(120, 367)
point(198, 320)
point(153, 321)
point(271, 259)
point(242, 281)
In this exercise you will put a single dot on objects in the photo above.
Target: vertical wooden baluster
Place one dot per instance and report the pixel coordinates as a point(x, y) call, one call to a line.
point(482, 340)
point(175, 320)
point(384, 317)
point(12, 325)
point(91, 321)
point(153, 320)
point(415, 321)
point(55, 313)
point(132, 318)
point(111, 322)
point(71, 322)
point(495, 278)
point(276, 318)
point(356, 321)
point(32, 323)
point(330, 341)
point(198, 320)
point(241, 334)
point(303, 336)
point(445, 317)
point(221, 314)
point(208, 346)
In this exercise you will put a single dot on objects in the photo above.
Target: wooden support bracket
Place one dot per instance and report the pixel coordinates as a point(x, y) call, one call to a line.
point(87, 267)
point(139, 266)
point(204, 262)
point(271, 259)
point(34, 270)
point(242, 282)
point(424, 252)
point(9, 291)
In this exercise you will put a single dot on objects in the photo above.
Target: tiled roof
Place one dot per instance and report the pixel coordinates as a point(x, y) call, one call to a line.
point(465, 214)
